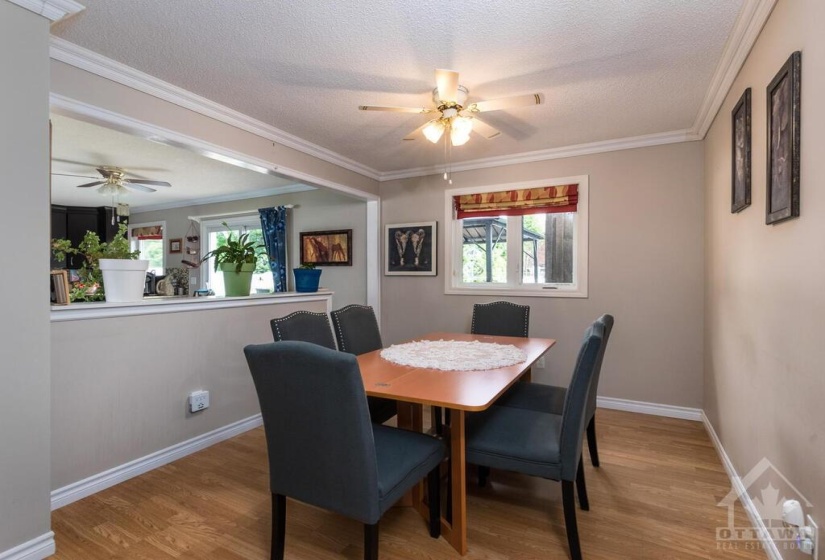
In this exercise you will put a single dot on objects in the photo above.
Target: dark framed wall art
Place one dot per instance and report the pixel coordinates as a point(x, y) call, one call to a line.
point(410, 249)
point(741, 156)
point(784, 119)
point(327, 248)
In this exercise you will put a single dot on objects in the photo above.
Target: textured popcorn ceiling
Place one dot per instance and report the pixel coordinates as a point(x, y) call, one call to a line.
point(608, 69)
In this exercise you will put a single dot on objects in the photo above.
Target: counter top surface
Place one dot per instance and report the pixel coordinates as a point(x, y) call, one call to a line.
point(176, 304)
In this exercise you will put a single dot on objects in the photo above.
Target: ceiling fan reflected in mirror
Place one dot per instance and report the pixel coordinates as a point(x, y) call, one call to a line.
point(456, 116)
point(113, 181)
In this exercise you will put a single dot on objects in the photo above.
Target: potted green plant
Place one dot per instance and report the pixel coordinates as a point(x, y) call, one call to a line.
point(110, 269)
point(307, 278)
point(237, 260)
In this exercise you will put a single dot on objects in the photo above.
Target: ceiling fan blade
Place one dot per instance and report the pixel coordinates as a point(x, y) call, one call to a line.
point(396, 109)
point(138, 187)
point(103, 171)
point(153, 183)
point(485, 129)
point(506, 103)
point(414, 135)
point(72, 175)
point(87, 185)
point(447, 84)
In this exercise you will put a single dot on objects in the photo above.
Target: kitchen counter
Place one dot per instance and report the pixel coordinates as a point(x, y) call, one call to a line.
point(153, 305)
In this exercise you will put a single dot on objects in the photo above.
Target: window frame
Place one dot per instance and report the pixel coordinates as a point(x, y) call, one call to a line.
point(208, 225)
point(454, 241)
point(164, 252)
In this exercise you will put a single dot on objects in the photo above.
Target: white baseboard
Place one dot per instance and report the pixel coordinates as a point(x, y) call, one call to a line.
point(670, 411)
point(35, 549)
point(736, 483)
point(96, 483)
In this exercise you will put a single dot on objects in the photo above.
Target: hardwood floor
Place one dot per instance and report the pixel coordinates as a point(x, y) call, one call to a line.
point(654, 497)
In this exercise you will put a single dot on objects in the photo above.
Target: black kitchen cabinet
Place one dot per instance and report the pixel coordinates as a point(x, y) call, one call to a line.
point(72, 223)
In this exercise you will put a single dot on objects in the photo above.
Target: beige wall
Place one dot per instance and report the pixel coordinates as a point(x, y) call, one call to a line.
point(99, 92)
point(320, 209)
point(133, 401)
point(764, 380)
point(24, 344)
point(645, 268)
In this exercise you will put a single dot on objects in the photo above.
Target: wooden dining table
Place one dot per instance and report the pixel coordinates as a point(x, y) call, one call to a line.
point(458, 391)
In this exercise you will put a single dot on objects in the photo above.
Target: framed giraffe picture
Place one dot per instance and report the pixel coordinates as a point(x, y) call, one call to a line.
point(327, 248)
point(411, 249)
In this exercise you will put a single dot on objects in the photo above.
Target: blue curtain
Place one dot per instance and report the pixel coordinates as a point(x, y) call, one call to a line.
point(273, 223)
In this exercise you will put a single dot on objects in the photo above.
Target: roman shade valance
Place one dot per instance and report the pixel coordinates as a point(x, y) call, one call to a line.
point(520, 202)
point(148, 232)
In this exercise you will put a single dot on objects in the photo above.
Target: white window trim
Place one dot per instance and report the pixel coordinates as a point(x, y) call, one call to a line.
point(207, 268)
point(162, 224)
point(452, 241)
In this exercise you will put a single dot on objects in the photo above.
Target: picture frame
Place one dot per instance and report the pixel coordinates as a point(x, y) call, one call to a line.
point(176, 245)
point(784, 120)
point(60, 287)
point(411, 249)
point(741, 153)
point(327, 248)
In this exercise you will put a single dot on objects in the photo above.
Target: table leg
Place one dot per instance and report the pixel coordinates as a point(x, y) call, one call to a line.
point(411, 417)
point(455, 532)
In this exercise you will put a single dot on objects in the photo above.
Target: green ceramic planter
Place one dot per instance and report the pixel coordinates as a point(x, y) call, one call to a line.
point(237, 284)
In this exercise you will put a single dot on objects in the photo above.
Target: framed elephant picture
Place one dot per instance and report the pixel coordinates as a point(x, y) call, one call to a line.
point(410, 249)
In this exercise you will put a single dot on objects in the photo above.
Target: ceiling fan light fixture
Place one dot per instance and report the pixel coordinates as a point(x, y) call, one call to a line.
point(434, 130)
point(460, 129)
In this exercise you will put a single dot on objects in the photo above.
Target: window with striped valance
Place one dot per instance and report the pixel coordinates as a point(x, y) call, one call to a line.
point(146, 232)
point(518, 202)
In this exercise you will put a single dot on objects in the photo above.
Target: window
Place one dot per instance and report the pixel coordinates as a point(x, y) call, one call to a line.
point(150, 240)
point(511, 242)
point(214, 234)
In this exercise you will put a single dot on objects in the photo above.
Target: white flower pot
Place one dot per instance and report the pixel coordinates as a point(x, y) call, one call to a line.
point(123, 279)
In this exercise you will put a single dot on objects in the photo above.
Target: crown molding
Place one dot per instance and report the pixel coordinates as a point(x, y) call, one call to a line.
point(645, 141)
point(53, 10)
point(87, 60)
point(745, 32)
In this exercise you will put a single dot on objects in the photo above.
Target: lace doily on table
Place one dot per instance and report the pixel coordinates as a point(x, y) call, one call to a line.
point(454, 355)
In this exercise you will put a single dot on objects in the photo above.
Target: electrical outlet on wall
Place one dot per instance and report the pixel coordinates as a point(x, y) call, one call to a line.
point(540, 363)
point(198, 400)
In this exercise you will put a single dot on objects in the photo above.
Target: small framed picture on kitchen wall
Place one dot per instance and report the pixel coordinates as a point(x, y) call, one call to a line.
point(176, 245)
point(411, 249)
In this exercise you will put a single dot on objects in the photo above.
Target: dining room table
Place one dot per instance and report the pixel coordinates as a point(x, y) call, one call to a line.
point(459, 391)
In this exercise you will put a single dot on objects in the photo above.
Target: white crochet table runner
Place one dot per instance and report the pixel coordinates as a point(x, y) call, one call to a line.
point(454, 355)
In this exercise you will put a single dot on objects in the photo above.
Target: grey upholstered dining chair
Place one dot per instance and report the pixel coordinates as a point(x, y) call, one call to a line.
point(357, 332)
point(498, 318)
point(334, 458)
point(550, 398)
point(501, 318)
point(306, 326)
point(543, 444)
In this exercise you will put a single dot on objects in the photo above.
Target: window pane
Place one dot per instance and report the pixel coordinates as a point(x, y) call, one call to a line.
point(559, 255)
point(532, 248)
point(262, 281)
point(152, 250)
point(484, 250)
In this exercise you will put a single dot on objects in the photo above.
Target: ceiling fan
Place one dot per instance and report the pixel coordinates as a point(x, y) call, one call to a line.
point(456, 116)
point(113, 181)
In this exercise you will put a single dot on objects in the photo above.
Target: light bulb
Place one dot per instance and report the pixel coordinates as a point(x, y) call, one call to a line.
point(460, 130)
point(433, 131)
